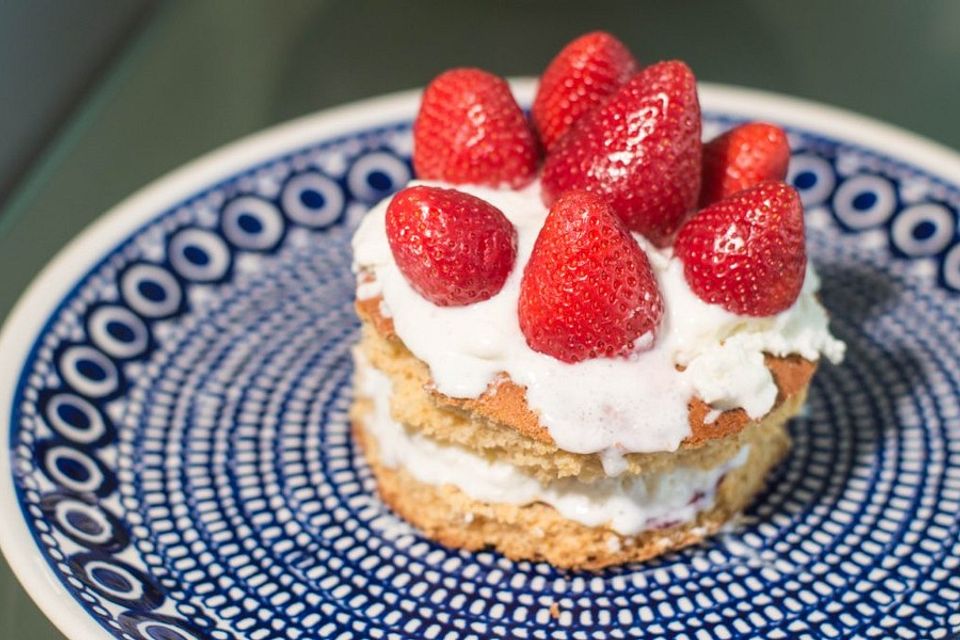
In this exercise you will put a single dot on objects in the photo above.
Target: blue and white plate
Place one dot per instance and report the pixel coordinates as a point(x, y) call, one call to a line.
point(176, 461)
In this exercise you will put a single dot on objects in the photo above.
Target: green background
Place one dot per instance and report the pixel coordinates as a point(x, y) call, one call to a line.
point(201, 74)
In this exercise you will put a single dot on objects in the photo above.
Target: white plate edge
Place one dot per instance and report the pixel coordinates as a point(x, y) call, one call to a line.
point(47, 289)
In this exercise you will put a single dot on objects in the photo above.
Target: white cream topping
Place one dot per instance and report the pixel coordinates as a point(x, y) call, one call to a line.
point(628, 505)
point(621, 405)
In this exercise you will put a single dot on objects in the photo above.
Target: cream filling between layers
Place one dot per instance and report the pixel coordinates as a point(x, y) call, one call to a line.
point(608, 405)
point(627, 504)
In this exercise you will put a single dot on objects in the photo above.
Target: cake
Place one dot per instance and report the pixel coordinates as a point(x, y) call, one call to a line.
point(588, 358)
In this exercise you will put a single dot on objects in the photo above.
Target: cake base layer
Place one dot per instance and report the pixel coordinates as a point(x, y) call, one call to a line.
point(537, 532)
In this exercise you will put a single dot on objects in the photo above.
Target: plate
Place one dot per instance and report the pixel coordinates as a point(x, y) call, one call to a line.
point(176, 462)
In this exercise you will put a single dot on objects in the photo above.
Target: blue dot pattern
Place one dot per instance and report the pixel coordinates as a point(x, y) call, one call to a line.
point(182, 452)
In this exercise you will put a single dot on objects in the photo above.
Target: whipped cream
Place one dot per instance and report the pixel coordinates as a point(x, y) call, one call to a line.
point(608, 405)
point(628, 505)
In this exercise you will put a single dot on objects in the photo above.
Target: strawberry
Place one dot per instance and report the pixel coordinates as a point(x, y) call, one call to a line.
point(743, 157)
point(470, 130)
point(588, 290)
point(747, 252)
point(579, 78)
point(453, 248)
point(640, 150)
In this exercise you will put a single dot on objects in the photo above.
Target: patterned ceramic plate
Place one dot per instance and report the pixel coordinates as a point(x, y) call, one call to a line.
point(177, 461)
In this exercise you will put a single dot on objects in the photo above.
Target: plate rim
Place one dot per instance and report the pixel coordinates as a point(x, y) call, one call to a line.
point(46, 290)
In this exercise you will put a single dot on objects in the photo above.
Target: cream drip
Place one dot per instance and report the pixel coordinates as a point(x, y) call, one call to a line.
point(628, 504)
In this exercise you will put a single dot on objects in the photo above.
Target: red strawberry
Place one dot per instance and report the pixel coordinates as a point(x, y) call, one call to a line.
point(743, 157)
point(453, 248)
point(640, 150)
point(588, 290)
point(578, 79)
point(470, 130)
point(747, 252)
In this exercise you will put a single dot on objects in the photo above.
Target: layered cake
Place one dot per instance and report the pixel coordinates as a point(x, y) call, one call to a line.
point(583, 332)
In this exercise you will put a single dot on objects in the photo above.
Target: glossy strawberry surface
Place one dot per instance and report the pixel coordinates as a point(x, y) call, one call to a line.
point(640, 151)
point(746, 253)
point(588, 290)
point(470, 130)
point(453, 248)
point(743, 157)
point(577, 80)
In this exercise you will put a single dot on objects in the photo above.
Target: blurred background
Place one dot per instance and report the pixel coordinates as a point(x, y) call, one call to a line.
point(99, 97)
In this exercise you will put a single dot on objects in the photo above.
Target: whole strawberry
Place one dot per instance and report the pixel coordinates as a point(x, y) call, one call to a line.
point(588, 290)
point(640, 150)
point(746, 253)
point(453, 248)
point(743, 157)
point(470, 130)
point(579, 78)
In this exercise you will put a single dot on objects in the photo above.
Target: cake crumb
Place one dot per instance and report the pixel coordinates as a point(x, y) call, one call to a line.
point(468, 517)
point(555, 610)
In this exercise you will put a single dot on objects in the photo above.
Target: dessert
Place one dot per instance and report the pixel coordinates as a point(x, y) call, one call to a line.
point(578, 365)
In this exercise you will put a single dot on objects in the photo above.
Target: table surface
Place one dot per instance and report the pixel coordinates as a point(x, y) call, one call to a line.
point(202, 74)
